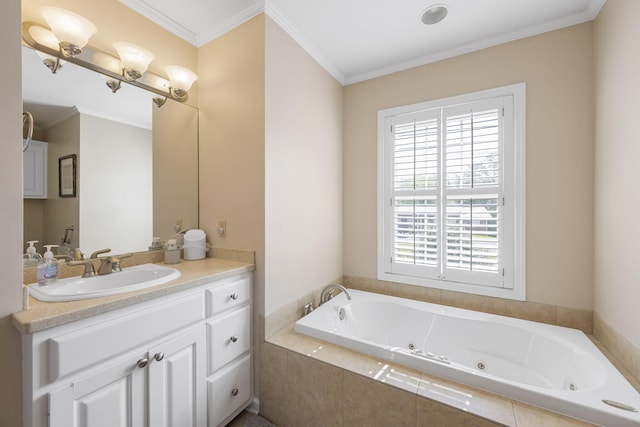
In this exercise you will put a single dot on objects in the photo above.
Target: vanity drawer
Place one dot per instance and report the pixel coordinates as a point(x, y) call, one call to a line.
point(73, 351)
point(229, 390)
point(228, 336)
point(228, 296)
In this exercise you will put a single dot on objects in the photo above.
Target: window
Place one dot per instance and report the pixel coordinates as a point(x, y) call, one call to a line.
point(451, 183)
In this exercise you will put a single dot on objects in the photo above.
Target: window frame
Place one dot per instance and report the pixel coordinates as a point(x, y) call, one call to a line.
point(514, 157)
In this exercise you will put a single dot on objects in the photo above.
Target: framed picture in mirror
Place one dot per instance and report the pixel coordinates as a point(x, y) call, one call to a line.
point(67, 176)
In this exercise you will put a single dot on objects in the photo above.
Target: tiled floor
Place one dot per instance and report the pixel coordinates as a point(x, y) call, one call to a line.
point(247, 419)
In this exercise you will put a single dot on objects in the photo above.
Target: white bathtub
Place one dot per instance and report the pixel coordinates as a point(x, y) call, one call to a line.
point(548, 366)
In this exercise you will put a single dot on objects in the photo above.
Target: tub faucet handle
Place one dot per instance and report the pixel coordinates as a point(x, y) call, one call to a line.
point(307, 308)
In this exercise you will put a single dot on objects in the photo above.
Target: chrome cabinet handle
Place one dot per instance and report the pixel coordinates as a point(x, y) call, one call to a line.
point(234, 296)
point(234, 338)
point(142, 362)
point(159, 356)
point(234, 392)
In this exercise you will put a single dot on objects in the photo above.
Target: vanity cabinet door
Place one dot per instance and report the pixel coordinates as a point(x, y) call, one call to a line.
point(109, 396)
point(177, 381)
point(34, 170)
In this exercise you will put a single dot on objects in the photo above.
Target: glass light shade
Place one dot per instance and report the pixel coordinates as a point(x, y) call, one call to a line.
point(68, 26)
point(181, 78)
point(44, 37)
point(133, 57)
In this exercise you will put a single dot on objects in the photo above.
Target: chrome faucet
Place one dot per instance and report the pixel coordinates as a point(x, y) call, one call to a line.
point(89, 270)
point(99, 252)
point(77, 254)
point(327, 292)
point(111, 263)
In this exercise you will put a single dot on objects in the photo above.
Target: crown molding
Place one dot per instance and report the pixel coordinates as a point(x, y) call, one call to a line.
point(290, 29)
point(161, 19)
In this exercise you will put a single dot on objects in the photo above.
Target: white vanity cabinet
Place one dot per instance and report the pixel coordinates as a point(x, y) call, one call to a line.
point(229, 350)
point(148, 364)
point(34, 170)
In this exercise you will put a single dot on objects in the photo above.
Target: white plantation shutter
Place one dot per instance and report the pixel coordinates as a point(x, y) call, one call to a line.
point(447, 182)
point(415, 227)
point(472, 190)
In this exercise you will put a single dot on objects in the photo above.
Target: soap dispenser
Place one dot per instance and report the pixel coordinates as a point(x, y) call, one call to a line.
point(31, 258)
point(48, 267)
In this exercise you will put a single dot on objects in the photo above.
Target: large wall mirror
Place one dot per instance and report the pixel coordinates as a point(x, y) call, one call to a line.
point(136, 164)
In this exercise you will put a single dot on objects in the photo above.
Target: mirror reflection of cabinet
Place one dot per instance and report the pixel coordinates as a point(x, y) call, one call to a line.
point(34, 161)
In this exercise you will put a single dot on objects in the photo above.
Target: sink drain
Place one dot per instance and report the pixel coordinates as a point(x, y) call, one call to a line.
point(481, 365)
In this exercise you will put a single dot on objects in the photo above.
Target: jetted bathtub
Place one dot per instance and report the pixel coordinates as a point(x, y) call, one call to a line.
point(549, 366)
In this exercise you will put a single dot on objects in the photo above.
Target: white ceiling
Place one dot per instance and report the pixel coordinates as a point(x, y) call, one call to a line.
point(360, 39)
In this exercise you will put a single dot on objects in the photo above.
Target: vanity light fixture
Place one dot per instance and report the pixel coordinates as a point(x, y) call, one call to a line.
point(159, 101)
point(72, 30)
point(47, 38)
point(180, 80)
point(67, 39)
point(135, 59)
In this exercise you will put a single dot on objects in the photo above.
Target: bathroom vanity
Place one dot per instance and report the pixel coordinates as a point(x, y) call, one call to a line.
point(174, 355)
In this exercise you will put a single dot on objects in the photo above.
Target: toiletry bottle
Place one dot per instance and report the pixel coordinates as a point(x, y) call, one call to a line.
point(31, 258)
point(171, 253)
point(48, 267)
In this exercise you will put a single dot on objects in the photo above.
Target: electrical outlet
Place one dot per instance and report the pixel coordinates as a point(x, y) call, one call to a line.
point(222, 228)
point(178, 226)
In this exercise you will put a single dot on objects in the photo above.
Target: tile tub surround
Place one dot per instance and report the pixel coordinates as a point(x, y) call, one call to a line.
point(305, 381)
point(43, 315)
point(620, 347)
point(282, 340)
point(537, 312)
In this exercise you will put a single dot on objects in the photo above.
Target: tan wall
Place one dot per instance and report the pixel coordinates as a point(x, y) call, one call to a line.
point(10, 214)
point(231, 92)
point(303, 172)
point(558, 70)
point(61, 212)
point(175, 174)
point(33, 225)
point(617, 199)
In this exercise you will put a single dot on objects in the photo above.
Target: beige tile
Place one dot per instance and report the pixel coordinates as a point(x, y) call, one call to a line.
point(433, 295)
point(314, 392)
point(531, 416)
point(434, 414)
point(353, 361)
point(625, 353)
point(467, 399)
point(536, 312)
point(273, 383)
point(575, 318)
point(467, 301)
point(616, 363)
point(280, 318)
point(352, 282)
point(378, 286)
point(413, 292)
point(370, 403)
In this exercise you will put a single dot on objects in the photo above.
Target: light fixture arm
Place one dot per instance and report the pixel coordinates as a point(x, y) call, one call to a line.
point(148, 81)
point(53, 65)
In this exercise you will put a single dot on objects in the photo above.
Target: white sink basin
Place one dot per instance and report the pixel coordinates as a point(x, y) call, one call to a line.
point(129, 279)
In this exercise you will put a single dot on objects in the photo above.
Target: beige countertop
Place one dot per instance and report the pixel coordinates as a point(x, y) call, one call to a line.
point(43, 315)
